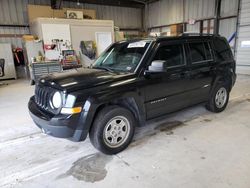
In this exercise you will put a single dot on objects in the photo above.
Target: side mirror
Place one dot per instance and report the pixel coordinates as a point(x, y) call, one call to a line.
point(156, 67)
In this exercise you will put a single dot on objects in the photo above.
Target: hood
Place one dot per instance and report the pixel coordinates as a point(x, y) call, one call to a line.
point(82, 78)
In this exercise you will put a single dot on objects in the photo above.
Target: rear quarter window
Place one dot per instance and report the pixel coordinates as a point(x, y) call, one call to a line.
point(222, 50)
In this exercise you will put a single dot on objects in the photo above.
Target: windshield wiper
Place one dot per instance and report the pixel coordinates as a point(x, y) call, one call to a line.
point(103, 68)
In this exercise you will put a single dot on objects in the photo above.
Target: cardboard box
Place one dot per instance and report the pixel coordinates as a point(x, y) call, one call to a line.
point(28, 37)
point(176, 30)
point(87, 13)
point(119, 36)
point(36, 11)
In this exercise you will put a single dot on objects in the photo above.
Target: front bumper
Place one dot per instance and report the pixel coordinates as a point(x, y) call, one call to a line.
point(72, 127)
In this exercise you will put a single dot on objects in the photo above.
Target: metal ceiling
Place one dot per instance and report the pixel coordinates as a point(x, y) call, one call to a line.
point(123, 3)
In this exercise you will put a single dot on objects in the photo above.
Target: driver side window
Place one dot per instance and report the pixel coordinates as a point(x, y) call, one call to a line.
point(172, 54)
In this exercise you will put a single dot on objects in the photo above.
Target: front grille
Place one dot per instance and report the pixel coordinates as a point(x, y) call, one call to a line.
point(43, 96)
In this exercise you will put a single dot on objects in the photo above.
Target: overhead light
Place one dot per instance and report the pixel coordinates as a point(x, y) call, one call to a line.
point(78, 3)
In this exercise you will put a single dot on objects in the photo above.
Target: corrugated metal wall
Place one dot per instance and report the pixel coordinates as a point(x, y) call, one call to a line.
point(228, 26)
point(165, 12)
point(17, 42)
point(15, 12)
point(199, 9)
point(229, 7)
point(243, 43)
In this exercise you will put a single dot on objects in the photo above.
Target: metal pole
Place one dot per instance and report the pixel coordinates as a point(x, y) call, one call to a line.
point(201, 26)
point(237, 27)
point(217, 17)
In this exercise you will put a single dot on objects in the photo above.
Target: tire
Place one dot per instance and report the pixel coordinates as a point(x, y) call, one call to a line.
point(112, 138)
point(218, 105)
point(32, 82)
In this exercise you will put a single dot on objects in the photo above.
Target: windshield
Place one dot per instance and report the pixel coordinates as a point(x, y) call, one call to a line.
point(122, 57)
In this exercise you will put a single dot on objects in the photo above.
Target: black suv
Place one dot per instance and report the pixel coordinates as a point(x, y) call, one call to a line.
point(130, 83)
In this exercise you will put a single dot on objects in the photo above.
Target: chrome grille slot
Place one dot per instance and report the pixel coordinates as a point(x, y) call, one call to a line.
point(42, 97)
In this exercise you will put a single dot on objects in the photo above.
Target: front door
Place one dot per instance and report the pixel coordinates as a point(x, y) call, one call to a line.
point(166, 92)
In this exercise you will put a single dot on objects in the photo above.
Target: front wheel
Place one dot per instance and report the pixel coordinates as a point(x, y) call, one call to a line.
point(112, 130)
point(218, 99)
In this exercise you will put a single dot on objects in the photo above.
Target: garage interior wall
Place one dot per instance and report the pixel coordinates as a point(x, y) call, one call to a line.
point(166, 12)
point(14, 12)
point(243, 42)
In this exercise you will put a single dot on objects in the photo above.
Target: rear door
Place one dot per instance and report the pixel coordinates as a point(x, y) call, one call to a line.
point(200, 65)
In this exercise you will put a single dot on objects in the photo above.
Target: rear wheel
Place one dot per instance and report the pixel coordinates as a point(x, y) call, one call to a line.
point(219, 98)
point(112, 130)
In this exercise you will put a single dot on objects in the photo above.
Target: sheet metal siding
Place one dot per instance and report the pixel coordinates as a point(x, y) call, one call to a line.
point(229, 7)
point(243, 53)
point(166, 12)
point(16, 42)
point(245, 13)
point(15, 12)
point(227, 28)
point(199, 9)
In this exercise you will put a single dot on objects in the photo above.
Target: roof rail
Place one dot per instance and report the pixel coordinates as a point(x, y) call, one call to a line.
point(197, 34)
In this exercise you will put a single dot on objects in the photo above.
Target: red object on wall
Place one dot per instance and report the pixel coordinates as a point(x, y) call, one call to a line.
point(49, 46)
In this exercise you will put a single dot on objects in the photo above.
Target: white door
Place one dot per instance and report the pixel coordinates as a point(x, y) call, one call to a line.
point(103, 40)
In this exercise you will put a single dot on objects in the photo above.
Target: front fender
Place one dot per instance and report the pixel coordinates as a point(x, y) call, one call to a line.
point(133, 100)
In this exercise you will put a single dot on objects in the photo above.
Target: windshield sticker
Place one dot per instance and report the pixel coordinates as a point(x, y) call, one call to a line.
point(129, 68)
point(139, 44)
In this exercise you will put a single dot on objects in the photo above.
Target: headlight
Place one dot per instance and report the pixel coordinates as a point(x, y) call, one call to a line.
point(56, 100)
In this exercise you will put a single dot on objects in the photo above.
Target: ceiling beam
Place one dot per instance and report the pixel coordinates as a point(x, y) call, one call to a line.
point(121, 3)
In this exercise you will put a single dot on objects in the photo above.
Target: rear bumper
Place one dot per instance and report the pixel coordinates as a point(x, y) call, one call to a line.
point(61, 126)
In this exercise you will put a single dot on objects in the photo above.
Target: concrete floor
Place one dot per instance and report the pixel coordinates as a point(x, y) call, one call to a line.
point(192, 148)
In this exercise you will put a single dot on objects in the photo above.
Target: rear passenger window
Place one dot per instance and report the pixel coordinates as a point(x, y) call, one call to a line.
point(172, 54)
point(222, 51)
point(197, 52)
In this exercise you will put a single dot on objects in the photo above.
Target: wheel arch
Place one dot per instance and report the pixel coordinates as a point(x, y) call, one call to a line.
point(131, 102)
point(225, 78)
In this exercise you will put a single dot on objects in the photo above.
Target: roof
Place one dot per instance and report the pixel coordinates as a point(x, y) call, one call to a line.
point(183, 36)
point(187, 36)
